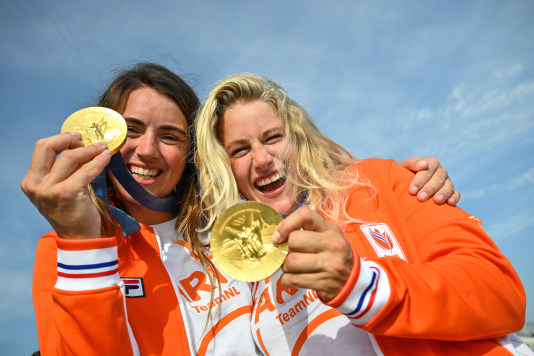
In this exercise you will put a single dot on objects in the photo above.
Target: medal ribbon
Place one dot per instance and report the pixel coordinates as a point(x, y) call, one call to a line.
point(118, 168)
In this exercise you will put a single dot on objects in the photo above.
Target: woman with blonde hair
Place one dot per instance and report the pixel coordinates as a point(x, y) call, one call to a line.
point(369, 270)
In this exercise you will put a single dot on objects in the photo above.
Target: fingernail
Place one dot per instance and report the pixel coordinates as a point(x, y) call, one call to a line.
point(414, 190)
point(276, 237)
point(423, 196)
point(106, 152)
point(440, 198)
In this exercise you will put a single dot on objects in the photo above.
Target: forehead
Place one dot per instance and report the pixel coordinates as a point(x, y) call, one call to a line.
point(251, 113)
point(245, 120)
point(149, 106)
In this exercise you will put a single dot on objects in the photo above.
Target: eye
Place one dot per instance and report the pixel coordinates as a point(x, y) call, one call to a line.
point(238, 152)
point(133, 131)
point(169, 138)
point(274, 138)
point(172, 139)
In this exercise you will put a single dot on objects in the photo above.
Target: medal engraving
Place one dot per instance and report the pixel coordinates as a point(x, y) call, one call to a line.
point(241, 242)
point(98, 124)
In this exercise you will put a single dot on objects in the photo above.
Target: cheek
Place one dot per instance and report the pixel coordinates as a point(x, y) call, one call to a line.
point(175, 155)
point(177, 163)
point(286, 150)
point(240, 174)
point(177, 169)
point(235, 169)
point(128, 147)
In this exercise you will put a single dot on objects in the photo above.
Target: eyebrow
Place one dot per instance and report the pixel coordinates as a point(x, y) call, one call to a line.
point(263, 135)
point(271, 131)
point(135, 121)
point(236, 143)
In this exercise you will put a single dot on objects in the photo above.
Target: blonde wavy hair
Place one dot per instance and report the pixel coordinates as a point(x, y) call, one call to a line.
point(320, 175)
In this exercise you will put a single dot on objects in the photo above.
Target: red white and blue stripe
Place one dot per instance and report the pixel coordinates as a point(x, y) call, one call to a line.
point(369, 294)
point(87, 269)
point(382, 240)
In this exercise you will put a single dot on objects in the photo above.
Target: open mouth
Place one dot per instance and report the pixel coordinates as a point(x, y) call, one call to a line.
point(268, 185)
point(143, 173)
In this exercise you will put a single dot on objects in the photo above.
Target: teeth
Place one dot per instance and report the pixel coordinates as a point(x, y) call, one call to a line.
point(270, 180)
point(143, 172)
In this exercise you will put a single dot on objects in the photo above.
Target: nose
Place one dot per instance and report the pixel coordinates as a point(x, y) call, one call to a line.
point(146, 145)
point(261, 157)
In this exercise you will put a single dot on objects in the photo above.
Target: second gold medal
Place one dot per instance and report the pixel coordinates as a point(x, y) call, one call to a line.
point(241, 242)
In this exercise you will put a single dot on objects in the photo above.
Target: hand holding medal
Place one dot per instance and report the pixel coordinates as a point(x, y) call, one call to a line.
point(241, 242)
point(62, 169)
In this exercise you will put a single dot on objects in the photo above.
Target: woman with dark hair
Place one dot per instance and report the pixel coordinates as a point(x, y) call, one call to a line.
point(151, 292)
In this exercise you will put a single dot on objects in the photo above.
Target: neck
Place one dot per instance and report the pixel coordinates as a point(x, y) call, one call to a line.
point(292, 211)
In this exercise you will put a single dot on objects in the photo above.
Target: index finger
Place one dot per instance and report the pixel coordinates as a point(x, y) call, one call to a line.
point(47, 149)
point(437, 181)
point(423, 169)
point(414, 164)
point(303, 218)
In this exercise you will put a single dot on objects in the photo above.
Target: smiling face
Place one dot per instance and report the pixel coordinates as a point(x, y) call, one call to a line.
point(254, 137)
point(157, 146)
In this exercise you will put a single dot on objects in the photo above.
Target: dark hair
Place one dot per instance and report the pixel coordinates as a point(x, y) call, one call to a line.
point(158, 77)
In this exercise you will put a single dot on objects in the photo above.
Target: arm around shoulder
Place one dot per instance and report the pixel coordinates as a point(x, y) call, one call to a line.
point(454, 274)
point(450, 273)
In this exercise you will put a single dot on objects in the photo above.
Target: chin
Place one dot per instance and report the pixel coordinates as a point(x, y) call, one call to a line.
point(283, 210)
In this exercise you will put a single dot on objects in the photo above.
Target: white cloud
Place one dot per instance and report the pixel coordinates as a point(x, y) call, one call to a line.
point(477, 194)
point(474, 118)
point(509, 226)
point(511, 71)
point(469, 100)
point(503, 187)
point(523, 180)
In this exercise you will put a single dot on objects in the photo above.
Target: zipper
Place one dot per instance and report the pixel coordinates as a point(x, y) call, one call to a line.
point(181, 305)
point(375, 345)
point(186, 324)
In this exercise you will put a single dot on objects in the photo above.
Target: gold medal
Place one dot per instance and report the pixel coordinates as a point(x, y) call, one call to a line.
point(242, 245)
point(98, 124)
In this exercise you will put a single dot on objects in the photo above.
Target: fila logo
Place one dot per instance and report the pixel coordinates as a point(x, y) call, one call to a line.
point(383, 241)
point(133, 287)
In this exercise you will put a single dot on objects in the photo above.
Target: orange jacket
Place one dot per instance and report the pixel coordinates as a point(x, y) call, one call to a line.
point(429, 279)
point(159, 308)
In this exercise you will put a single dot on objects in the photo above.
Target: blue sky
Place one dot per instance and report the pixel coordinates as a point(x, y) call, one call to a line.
point(450, 79)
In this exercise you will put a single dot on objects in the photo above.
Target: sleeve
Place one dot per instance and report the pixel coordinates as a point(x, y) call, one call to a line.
point(79, 305)
point(364, 294)
point(462, 287)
